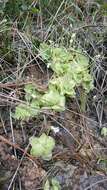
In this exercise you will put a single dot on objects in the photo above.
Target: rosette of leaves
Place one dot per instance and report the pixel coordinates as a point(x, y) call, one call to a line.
point(31, 93)
point(42, 146)
point(71, 69)
point(58, 59)
point(31, 107)
point(64, 85)
point(25, 111)
point(36, 102)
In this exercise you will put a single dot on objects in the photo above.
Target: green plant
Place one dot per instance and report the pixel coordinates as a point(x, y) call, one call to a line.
point(69, 66)
point(13, 9)
point(103, 6)
point(70, 70)
point(53, 100)
point(42, 146)
point(17, 15)
point(25, 111)
point(104, 131)
point(54, 184)
point(32, 106)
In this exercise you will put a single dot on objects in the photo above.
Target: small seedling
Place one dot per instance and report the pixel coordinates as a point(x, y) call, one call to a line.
point(53, 184)
point(104, 131)
point(42, 146)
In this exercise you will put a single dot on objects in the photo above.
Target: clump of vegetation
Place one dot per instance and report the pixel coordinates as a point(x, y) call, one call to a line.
point(70, 70)
point(42, 146)
point(15, 15)
point(17, 9)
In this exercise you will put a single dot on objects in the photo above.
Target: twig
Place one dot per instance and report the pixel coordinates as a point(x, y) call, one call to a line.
point(6, 141)
point(93, 184)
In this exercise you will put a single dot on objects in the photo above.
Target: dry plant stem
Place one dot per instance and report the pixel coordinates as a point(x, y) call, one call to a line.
point(15, 146)
point(18, 84)
point(13, 178)
point(12, 84)
point(94, 184)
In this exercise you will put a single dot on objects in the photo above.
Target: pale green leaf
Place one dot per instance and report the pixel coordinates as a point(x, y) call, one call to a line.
point(54, 100)
point(47, 185)
point(55, 184)
point(104, 131)
point(42, 146)
point(22, 112)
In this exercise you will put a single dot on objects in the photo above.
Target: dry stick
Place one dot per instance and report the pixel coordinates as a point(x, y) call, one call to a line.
point(14, 84)
point(10, 85)
point(15, 146)
point(12, 131)
point(16, 171)
point(94, 184)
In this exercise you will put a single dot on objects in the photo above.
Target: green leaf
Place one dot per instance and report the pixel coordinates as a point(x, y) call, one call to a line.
point(45, 51)
point(104, 131)
point(55, 184)
point(60, 60)
point(53, 100)
point(34, 10)
point(81, 59)
point(65, 85)
point(26, 111)
point(22, 112)
point(42, 146)
point(31, 92)
point(47, 185)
